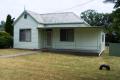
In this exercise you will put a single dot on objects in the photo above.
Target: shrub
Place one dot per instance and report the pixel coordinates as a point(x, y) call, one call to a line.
point(5, 40)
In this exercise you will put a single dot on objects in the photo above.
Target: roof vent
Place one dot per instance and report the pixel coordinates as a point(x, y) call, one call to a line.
point(25, 16)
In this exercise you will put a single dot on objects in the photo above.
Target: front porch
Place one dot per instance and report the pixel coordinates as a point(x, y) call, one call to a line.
point(77, 40)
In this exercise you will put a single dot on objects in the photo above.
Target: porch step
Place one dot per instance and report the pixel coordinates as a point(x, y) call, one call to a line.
point(79, 52)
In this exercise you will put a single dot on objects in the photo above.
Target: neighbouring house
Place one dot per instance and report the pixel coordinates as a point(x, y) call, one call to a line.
point(57, 31)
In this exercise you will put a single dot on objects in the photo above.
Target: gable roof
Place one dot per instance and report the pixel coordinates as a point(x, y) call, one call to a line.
point(67, 17)
point(54, 18)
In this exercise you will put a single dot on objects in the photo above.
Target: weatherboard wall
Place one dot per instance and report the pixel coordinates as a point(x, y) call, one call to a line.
point(28, 23)
point(84, 39)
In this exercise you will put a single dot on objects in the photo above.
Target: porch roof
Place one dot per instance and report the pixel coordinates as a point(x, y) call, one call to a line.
point(67, 25)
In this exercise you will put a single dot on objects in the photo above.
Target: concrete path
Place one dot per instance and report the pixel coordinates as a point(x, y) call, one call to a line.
point(18, 54)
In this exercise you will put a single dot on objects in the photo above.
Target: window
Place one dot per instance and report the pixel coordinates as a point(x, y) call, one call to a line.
point(102, 38)
point(67, 35)
point(25, 35)
point(25, 16)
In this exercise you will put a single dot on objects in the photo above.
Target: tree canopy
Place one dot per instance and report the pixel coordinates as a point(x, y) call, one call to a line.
point(114, 33)
point(9, 25)
point(96, 19)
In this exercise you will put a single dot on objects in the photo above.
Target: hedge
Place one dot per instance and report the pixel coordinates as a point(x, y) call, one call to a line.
point(6, 40)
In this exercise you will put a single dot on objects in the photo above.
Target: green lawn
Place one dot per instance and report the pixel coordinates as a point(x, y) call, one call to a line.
point(51, 66)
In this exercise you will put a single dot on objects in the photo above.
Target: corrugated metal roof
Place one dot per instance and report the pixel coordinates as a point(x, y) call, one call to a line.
point(36, 16)
point(56, 18)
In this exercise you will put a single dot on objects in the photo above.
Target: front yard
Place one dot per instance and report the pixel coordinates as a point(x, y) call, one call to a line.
point(52, 66)
point(12, 51)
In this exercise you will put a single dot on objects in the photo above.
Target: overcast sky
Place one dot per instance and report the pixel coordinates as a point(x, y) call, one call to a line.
point(16, 7)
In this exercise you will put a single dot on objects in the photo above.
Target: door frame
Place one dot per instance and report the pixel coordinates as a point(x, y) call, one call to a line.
point(48, 38)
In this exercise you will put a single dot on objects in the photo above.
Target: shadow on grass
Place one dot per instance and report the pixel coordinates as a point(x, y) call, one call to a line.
point(75, 53)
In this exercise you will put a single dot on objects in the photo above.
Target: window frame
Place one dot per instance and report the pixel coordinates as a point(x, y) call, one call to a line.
point(65, 35)
point(24, 33)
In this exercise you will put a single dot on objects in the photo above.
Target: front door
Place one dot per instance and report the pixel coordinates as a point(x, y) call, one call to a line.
point(49, 38)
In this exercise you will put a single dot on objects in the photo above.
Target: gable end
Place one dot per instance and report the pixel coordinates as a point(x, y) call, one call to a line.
point(25, 13)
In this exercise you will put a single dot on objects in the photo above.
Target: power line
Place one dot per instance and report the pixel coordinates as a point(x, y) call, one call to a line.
point(79, 5)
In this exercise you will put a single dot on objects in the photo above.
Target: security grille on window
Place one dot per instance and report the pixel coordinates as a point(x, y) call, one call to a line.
point(25, 35)
point(67, 35)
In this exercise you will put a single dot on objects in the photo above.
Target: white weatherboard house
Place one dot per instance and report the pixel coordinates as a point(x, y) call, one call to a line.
point(57, 31)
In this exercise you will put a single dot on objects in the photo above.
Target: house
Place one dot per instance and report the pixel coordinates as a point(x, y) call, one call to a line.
point(57, 31)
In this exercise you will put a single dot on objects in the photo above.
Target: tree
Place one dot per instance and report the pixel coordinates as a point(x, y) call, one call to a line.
point(114, 30)
point(90, 17)
point(9, 25)
point(96, 19)
point(116, 25)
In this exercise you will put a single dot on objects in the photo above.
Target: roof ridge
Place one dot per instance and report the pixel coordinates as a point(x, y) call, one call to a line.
point(56, 13)
point(80, 18)
point(31, 12)
point(35, 13)
point(48, 13)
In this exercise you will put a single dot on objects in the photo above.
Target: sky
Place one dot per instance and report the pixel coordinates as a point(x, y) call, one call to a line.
point(16, 7)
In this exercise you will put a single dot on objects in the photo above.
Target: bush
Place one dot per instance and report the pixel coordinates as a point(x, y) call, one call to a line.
point(6, 40)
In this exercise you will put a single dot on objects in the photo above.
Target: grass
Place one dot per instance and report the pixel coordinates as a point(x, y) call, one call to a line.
point(12, 51)
point(51, 66)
